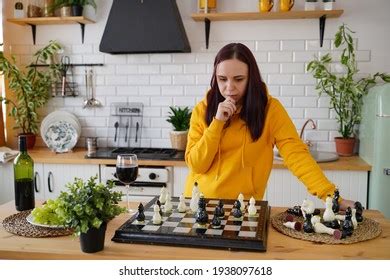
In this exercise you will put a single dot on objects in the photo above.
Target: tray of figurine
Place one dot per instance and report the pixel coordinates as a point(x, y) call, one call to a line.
point(328, 225)
point(199, 222)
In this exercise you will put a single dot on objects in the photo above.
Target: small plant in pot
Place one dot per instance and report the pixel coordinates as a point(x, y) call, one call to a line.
point(31, 89)
point(78, 6)
point(345, 90)
point(87, 207)
point(180, 120)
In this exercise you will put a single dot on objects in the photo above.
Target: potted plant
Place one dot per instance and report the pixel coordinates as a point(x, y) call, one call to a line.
point(87, 207)
point(344, 89)
point(78, 6)
point(64, 7)
point(31, 89)
point(180, 119)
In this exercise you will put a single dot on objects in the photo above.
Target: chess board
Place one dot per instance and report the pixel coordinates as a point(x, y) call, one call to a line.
point(181, 229)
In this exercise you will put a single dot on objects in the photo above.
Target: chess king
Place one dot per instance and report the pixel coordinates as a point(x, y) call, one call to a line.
point(234, 129)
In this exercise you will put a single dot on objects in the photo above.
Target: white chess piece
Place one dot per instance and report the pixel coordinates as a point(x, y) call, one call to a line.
point(168, 205)
point(293, 225)
point(252, 208)
point(182, 205)
point(156, 219)
point(241, 199)
point(194, 202)
point(307, 207)
point(163, 195)
point(354, 221)
point(340, 217)
point(195, 190)
point(321, 228)
point(315, 219)
point(329, 215)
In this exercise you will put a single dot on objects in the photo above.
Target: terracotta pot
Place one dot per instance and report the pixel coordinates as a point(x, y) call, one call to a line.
point(179, 140)
point(93, 240)
point(30, 137)
point(345, 146)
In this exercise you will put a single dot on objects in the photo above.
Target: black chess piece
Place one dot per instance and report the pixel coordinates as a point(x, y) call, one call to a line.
point(236, 211)
point(141, 214)
point(201, 216)
point(216, 221)
point(359, 211)
point(335, 201)
point(316, 212)
point(221, 212)
point(159, 205)
point(347, 224)
point(307, 225)
point(296, 211)
point(333, 224)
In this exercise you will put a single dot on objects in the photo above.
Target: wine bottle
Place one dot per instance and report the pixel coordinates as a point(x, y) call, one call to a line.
point(23, 177)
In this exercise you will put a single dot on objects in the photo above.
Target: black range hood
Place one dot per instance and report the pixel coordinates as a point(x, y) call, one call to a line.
point(144, 26)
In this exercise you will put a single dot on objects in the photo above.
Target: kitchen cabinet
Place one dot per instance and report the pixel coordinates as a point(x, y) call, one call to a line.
point(320, 14)
point(6, 182)
point(51, 178)
point(33, 22)
point(284, 189)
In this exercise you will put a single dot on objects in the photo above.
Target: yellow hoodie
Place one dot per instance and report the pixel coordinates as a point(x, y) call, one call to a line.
point(226, 162)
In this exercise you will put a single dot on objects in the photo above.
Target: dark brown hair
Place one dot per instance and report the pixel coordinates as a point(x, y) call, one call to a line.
point(254, 100)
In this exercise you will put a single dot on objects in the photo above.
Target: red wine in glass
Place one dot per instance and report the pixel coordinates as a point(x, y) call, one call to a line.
point(127, 172)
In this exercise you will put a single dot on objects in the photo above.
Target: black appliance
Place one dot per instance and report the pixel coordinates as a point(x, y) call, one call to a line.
point(142, 153)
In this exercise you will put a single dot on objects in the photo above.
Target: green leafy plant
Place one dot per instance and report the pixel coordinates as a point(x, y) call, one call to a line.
point(179, 118)
point(63, 3)
point(30, 87)
point(346, 92)
point(88, 204)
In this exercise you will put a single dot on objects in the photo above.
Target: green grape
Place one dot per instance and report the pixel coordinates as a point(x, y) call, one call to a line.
point(46, 214)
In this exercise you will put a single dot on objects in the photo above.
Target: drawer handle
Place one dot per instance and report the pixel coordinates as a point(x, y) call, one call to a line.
point(48, 181)
point(36, 175)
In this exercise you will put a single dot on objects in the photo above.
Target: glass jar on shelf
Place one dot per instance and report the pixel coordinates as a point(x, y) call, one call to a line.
point(48, 8)
point(207, 6)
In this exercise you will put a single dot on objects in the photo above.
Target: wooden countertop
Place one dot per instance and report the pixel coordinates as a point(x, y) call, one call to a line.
point(279, 246)
point(44, 155)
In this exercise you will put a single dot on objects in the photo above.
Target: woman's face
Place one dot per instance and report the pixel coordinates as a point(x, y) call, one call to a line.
point(232, 79)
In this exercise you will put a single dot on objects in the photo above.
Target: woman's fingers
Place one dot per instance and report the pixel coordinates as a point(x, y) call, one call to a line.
point(226, 109)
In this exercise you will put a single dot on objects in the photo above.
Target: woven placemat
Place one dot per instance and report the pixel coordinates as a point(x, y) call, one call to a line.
point(366, 230)
point(17, 224)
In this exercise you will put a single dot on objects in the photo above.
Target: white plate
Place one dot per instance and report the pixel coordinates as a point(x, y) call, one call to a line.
point(60, 136)
point(30, 219)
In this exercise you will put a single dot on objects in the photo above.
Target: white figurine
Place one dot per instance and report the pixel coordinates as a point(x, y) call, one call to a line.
point(156, 219)
point(293, 225)
point(182, 208)
point(329, 215)
point(163, 195)
point(168, 204)
point(321, 228)
point(307, 207)
point(315, 219)
point(241, 199)
point(340, 217)
point(252, 208)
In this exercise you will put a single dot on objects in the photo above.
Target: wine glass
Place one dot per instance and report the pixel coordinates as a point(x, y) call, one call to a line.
point(127, 172)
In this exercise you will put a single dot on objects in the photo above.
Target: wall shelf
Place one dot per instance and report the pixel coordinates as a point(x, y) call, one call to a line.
point(321, 15)
point(33, 22)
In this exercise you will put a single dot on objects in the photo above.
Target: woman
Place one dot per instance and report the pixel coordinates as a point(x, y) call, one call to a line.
point(233, 132)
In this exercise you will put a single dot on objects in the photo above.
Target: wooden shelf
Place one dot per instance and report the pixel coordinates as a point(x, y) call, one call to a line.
point(265, 16)
point(33, 22)
point(321, 15)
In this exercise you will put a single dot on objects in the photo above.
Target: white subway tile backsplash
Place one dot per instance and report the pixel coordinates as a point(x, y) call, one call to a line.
point(97, 58)
point(292, 45)
point(304, 56)
point(138, 79)
point(194, 68)
point(152, 112)
point(205, 57)
point(82, 49)
point(183, 79)
point(184, 58)
point(161, 101)
point(137, 58)
point(292, 91)
point(305, 102)
point(363, 55)
point(304, 79)
point(203, 79)
point(195, 90)
point(292, 68)
point(314, 45)
point(149, 90)
point(318, 113)
point(160, 80)
point(160, 58)
point(327, 125)
point(172, 90)
point(295, 113)
point(159, 123)
point(114, 59)
point(184, 101)
point(280, 56)
point(267, 45)
point(269, 68)
point(279, 79)
point(161, 143)
point(149, 69)
point(261, 57)
point(116, 80)
point(127, 69)
point(172, 69)
point(127, 90)
point(105, 90)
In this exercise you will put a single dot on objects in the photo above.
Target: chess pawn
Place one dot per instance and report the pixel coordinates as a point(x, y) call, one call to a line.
point(348, 225)
point(335, 201)
point(201, 216)
point(163, 195)
point(195, 190)
point(194, 203)
point(216, 221)
point(307, 207)
point(236, 211)
point(168, 204)
point(293, 225)
point(340, 217)
point(156, 219)
point(159, 205)
point(307, 225)
point(221, 210)
point(359, 211)
point(252, 208)
point(140, 215)
point(241, 199)
point(315, 219)
point(354, 221)
point(296, 211)
point(328, 216)
point(182, 205)
point(321, 228)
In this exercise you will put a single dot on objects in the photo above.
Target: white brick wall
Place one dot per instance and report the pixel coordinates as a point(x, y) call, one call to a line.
point(281, 48)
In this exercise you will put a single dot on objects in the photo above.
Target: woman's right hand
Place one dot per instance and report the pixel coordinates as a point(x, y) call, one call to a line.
point(226, 109)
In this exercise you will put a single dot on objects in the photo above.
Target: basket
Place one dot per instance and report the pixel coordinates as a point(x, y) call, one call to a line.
point(179, 139)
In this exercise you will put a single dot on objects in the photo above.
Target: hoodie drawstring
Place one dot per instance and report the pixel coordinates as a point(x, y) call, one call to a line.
point(243, 148)
point(219, 161)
